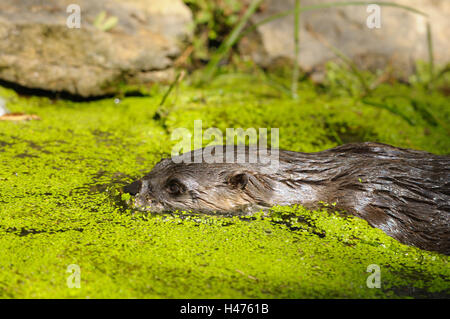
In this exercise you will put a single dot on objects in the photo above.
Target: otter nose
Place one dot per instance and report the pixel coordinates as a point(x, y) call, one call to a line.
point(133, 188)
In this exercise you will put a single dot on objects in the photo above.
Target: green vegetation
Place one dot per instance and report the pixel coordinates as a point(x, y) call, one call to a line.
point(213, 20)
point(61, 204)
point(239, 30)
point(104, 24)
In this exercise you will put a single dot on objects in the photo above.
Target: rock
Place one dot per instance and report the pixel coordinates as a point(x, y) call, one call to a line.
point(38, 50)
point(399, 42)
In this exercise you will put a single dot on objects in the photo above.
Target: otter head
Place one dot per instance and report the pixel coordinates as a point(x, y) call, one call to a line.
point(201, 187)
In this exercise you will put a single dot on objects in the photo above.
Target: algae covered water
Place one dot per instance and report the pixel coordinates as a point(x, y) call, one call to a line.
point(61, 204)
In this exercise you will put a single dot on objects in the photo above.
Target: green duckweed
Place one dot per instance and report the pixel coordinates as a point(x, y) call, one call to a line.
point(61, 203)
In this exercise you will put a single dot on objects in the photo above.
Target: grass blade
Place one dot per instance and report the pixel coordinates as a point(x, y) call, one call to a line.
point(296, 49)
point(389, 108)
point(430, 55)
point(229, 42)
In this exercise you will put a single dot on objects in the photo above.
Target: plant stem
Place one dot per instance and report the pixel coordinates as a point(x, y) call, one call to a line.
point(170, 88)
point(296, 50)
point(229, 42)
point(430, 55)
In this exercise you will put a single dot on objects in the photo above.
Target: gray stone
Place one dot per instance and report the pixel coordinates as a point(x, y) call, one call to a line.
point(38, 50)
point(399, 42)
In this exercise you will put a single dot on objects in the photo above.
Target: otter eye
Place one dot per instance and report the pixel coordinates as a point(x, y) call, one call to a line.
point(174, 187)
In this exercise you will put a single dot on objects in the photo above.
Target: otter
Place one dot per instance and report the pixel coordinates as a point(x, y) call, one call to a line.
point(403, 192)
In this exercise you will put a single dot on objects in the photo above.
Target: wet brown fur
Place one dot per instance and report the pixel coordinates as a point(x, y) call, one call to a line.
point(405, 193)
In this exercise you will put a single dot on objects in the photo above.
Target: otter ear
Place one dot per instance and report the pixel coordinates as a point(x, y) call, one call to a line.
point(238, 180)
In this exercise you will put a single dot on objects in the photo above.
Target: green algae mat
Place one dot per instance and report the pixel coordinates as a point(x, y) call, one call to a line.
point(66, 230)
